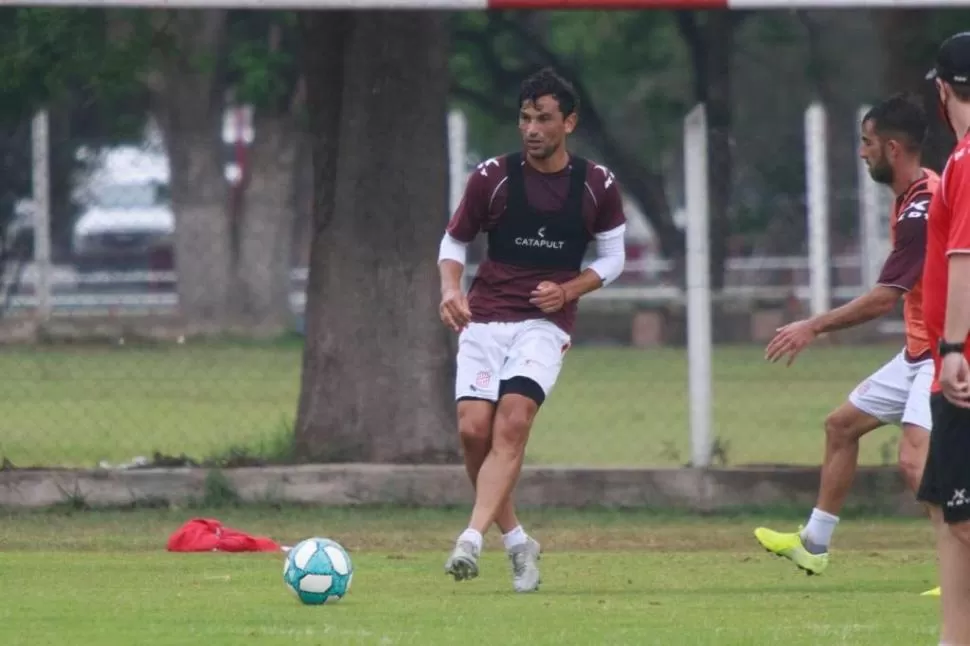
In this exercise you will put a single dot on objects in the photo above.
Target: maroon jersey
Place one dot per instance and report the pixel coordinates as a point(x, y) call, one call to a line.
point(538, 226)
point(904, 266)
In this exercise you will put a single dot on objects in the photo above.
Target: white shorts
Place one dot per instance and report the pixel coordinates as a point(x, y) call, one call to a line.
point(490, 353)
point(898, 393)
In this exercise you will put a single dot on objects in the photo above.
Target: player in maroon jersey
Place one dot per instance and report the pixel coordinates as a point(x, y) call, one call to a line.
point(898, 393)
point(539, 208)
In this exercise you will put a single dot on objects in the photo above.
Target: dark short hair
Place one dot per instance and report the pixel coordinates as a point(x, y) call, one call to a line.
point(900, 117)
point(546, 82)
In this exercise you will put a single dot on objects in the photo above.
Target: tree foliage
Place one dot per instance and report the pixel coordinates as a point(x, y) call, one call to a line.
point(68, 55)
point(263, 69)
point(67, 61)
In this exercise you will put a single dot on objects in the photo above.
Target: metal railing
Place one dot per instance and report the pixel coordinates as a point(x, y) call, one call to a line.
point(138, 292)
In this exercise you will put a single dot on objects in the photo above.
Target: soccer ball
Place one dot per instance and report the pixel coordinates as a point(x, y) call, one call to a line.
point(318, 570)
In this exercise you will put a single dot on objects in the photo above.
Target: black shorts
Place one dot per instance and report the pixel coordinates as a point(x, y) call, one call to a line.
point(517, 385)
point(946, 477)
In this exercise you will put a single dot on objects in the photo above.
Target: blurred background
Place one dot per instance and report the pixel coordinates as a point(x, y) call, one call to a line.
point(153, 163)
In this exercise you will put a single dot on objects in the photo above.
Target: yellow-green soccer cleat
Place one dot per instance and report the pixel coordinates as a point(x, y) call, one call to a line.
point(790, 546)
point(935, 592)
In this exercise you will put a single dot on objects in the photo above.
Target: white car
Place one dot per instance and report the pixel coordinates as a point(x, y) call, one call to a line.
point(127, 223)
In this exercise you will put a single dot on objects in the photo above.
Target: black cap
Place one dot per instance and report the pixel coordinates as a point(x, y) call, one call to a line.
point(953, 60)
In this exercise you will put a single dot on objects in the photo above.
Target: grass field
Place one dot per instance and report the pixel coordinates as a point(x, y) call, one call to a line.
point(76, 406)
point(611, 578)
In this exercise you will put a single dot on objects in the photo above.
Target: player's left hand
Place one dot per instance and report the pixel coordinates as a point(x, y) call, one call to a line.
point(549, 297)
point(955, 379)
point(789, 341)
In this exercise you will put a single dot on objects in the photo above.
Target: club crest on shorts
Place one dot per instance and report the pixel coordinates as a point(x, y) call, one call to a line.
point(483, 378)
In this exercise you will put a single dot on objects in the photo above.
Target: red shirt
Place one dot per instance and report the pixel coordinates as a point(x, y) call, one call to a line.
point(948, 232)
point(501, 292)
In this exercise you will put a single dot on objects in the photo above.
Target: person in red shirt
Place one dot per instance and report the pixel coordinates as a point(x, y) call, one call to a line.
point(945, 486)
point(540, 208)
point(892, 134)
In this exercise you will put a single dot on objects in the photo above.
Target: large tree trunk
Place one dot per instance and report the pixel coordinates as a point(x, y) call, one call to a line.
point(266, 229)
point(719, 34)
point(710, 40)
point(302, 205)
point(821, 74)
point(187, 98)
point(378, 365)
point(902, 33)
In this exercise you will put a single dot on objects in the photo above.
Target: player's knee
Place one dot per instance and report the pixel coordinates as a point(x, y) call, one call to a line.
point(910, 468)
point(839, 431)
point(512, 425)
point(912, 458)
point(474, 426)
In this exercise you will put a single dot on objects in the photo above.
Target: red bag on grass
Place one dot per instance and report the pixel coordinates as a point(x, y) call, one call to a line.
point(209, 535)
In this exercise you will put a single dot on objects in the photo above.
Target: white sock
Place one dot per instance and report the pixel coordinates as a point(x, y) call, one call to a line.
point(473, 536)
point(516, 536)
point(818, 532)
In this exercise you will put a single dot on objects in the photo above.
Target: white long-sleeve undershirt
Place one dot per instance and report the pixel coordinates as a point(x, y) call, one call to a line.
point(610, 254)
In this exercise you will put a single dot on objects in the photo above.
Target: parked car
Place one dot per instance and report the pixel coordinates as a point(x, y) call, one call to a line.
point(127, 223)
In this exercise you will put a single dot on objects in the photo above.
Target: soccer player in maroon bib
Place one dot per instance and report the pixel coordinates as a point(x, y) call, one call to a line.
point(539, 208)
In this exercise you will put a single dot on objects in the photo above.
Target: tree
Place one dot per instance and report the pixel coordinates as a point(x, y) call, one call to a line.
point(264, 73)
point(378, 367)
point(232, 251)
point(187, 83)
point(710, 39)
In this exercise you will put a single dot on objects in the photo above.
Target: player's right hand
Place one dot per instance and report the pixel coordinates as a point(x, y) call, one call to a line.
point(789, 341)
point(955, 379)
point(454, 310)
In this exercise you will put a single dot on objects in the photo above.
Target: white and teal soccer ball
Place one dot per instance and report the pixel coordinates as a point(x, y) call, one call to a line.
point(318, 571)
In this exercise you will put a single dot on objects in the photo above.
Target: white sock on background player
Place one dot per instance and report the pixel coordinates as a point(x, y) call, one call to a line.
point(818, 532)
point(472, 536)
point(515, 536)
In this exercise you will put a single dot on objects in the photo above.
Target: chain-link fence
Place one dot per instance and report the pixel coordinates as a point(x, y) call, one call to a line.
point(111, 378)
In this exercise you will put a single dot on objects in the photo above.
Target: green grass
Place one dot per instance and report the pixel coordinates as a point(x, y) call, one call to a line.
point(75, 406)
point(102, 578)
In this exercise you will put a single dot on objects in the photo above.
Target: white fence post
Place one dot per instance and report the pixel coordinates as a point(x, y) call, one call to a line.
point(457, 153)
point(817, 191)
point(699, 344)
point(40, 138)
